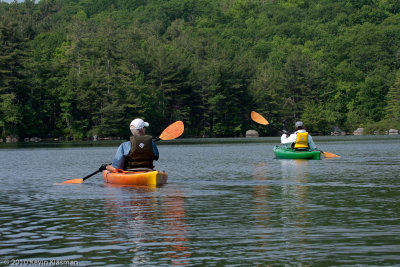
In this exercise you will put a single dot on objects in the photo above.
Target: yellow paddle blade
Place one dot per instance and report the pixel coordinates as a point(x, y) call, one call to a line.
point(74, 181)
point(330, 155)
point(173, 131)
point(258, 118)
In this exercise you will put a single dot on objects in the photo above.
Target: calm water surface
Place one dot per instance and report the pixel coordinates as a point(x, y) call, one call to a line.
point(224, 204)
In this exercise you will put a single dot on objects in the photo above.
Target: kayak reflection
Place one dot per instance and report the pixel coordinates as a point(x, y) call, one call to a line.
point(280, 202)
point(175, 236)
point(152, 224)
point(261, 196)
point(295, 196)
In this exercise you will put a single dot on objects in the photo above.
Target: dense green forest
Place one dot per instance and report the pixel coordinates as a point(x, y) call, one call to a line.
point(78, 68)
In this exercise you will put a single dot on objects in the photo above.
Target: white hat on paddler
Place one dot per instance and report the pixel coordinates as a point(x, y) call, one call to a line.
point(138, 124)
point(299, 124)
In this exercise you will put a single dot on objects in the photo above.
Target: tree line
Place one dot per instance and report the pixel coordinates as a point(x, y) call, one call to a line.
point(78, 68)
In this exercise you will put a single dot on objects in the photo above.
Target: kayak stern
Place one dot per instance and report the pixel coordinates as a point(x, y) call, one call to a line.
point(288, 153)
point(147, 178)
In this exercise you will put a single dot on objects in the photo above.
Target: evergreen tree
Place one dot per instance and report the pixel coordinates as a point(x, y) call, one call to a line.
point(79, 68)
point(393, 99)
point(13, 89)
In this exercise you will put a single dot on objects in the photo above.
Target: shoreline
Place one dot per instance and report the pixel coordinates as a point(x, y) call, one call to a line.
point(198, 141)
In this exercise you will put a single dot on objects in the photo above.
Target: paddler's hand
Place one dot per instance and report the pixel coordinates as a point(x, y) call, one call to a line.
point(285, 132)
point(111, 168)
point(103, 167)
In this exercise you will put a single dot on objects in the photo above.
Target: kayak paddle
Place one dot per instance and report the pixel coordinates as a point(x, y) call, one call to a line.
point(261, 120)
point(80, 180)
point(258, 118)
point(329, 155)
point(171, 132)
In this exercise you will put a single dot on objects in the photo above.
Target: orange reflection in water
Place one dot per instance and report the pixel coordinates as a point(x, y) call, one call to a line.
point(261, 193)
point(175, 235)
point(137, 213)
point(262, 209)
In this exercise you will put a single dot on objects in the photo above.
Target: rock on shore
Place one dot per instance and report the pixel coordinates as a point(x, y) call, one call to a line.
point(252, 133)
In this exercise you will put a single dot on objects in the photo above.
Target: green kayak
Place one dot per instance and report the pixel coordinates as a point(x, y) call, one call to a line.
point(288, 153)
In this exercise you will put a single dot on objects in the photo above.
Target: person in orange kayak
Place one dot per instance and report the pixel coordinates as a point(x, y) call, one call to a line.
point(300, 139)
point(138, 152)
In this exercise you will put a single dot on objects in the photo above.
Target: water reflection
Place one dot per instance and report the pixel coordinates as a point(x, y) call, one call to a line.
point(294, 208)
point(149, 222)
point(262, 208)
point(213, 212)
point(294, 190)
point(175, 236)
point(281, 201)
point(261, 193)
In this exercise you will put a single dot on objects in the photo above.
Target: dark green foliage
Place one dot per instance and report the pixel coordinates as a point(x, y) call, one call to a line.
point(393, 100)
point(78, 68)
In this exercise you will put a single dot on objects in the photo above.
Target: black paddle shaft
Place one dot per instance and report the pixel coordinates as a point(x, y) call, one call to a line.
point(99, 170)
point(277, 128)
point(90, 175)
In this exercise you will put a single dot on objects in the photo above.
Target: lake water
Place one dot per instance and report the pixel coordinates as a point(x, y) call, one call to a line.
point(227, 202)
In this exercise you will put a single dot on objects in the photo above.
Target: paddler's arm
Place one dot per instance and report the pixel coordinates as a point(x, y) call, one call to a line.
point(155, 150)
point(285, 139)
point(119, 158)
point(311, 143)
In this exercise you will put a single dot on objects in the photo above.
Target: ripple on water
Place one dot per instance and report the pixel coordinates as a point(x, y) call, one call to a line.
point(230, 204)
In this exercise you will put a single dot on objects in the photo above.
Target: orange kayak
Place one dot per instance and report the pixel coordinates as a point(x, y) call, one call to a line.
point(149, 178)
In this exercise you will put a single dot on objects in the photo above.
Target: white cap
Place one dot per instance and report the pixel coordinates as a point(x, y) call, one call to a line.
point(299, 124)
point(138, 124)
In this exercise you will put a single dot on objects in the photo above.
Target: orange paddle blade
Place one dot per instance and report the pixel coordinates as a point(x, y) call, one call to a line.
point(258, 118)
point(173, 131)
point(330, 155)
point(74, 181)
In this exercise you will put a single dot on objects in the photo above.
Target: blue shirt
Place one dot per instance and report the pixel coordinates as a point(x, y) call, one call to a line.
point(123, 151)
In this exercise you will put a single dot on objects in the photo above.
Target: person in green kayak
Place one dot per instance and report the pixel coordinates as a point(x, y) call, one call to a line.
point(300, 139)
point(138, 152)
